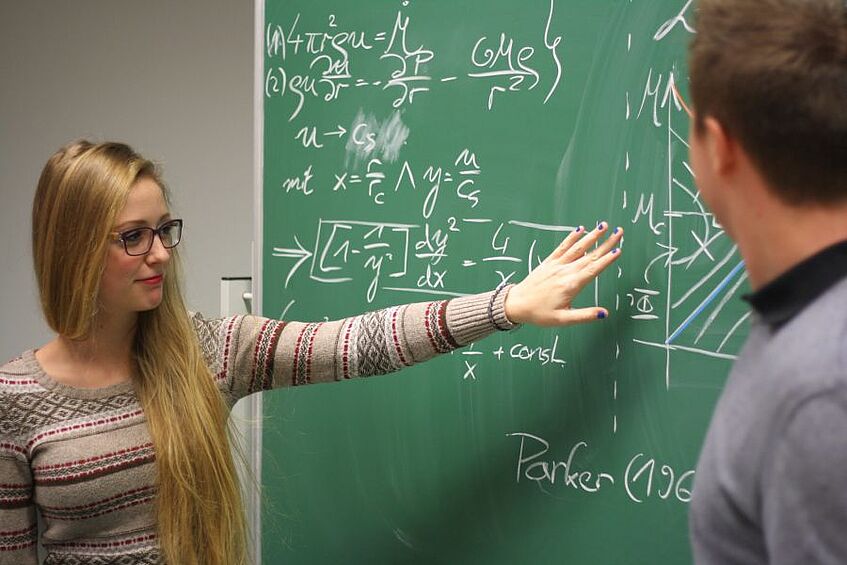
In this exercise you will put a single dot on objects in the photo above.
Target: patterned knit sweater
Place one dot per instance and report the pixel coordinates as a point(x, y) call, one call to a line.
point(83, 458)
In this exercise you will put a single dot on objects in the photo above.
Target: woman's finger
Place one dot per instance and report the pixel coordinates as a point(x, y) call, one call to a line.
point(582, 315)
point(589, 268)
point(581, 247)
point(611, 242)
point(566, 244)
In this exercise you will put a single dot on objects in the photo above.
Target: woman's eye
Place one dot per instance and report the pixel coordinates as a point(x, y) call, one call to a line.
point(133, 236)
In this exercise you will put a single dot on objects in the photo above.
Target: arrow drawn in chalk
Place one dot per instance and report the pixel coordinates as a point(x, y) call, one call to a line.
point(299, 253)
point(339, 132)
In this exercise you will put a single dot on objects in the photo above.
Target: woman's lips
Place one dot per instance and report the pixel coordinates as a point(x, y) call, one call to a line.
point(152, 281)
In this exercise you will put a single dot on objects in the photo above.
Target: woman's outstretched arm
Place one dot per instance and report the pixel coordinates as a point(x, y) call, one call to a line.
point(250, 353)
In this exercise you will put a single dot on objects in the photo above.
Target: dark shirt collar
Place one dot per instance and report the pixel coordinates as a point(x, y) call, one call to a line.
point(786, 296)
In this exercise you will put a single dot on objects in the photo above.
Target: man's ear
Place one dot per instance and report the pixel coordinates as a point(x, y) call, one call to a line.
point(721, 147)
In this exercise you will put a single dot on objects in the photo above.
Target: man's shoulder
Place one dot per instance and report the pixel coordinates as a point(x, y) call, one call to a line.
point(778, 385)
point(826, 313)
point(777, 373)
point(809, 354)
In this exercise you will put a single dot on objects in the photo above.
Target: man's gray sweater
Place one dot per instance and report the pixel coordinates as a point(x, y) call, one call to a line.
point(771, 483)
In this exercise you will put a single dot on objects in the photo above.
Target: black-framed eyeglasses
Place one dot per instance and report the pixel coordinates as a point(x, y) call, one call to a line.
point(139, 241)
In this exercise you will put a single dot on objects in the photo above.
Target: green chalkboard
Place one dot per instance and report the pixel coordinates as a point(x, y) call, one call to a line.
point(417, 150)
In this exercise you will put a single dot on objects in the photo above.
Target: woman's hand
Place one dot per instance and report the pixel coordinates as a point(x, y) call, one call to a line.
point(545, 296)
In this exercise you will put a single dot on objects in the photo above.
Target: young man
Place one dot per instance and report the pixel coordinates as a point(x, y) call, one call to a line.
point(769, 151)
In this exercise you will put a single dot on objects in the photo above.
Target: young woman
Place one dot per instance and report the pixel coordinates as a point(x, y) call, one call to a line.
point(116, 430)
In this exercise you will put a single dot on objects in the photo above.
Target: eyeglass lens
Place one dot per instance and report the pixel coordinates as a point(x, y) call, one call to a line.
point(140, 240)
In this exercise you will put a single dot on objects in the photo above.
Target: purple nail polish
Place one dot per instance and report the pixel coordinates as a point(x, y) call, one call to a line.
point(601, 314)
point(579, 229)
point(616, 230)
point(600, 226)
point(615, 250)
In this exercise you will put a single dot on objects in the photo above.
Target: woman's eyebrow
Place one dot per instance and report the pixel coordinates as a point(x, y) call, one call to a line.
point(140, 223)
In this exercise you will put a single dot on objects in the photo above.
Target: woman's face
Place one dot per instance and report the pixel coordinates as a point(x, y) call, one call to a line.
point(135, 283)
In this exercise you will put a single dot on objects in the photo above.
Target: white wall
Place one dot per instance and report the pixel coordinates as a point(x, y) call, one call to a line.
point(171, 78)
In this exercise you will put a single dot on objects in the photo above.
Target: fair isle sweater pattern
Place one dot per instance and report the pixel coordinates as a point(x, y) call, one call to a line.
point(84, 460)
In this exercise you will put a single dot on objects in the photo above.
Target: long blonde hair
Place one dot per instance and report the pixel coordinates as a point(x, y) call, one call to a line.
point(82, 189)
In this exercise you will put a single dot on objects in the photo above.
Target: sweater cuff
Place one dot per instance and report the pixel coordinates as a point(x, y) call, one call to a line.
point(471, 318)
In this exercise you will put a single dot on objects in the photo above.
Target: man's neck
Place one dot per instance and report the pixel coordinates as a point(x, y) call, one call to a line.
point(786, 236)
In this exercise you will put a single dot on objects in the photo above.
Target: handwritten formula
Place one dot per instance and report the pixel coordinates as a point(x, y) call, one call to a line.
point(425, 153)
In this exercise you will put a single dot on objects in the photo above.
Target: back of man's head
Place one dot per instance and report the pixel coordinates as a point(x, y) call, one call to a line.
point(774, 74)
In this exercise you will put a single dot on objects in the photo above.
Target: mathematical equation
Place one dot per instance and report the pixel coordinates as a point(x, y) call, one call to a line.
point(379, 180)
point(344, 250)
point(324, 58)
point(695, 271)
point(449, 219)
